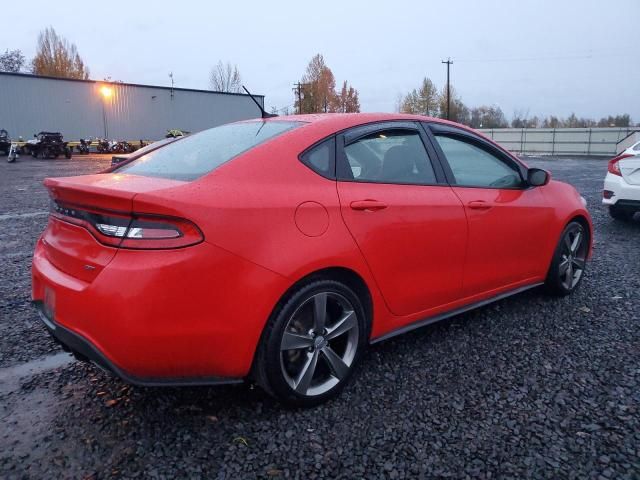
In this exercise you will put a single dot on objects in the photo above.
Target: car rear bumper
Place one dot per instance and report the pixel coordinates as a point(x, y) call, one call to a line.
point(161, 317)
point(622, 192)
point(84, 350)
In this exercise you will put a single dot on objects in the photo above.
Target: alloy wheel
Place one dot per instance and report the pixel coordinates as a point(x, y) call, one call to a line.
point(319, 344)
point(573, 257)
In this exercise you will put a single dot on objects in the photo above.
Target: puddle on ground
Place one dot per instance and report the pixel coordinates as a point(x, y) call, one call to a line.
point(10, 377)
point(11, 216)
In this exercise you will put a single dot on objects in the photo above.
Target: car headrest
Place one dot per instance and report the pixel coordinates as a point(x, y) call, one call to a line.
point(398, 163)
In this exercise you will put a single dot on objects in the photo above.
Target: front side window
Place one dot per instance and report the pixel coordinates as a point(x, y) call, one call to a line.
point(198, 154)
point(393, 156)
point(473, 166)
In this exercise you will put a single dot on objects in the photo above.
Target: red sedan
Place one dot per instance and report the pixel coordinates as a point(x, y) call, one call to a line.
point(277, 249)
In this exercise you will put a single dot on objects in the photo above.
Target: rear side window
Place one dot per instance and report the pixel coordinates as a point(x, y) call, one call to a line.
point(199, 154)
point(389, 156)
point(321, 158)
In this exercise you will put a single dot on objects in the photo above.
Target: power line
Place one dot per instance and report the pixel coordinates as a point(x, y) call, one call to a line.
point(586, 56)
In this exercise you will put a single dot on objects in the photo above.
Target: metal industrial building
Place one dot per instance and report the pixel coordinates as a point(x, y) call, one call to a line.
point(124, 111)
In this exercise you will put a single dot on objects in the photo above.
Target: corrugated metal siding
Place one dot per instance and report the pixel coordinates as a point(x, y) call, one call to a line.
point(30, 104)
point(562, 141)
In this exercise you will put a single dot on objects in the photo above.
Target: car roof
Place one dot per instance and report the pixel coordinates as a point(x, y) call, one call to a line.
point(352, 119)
point(341, 121)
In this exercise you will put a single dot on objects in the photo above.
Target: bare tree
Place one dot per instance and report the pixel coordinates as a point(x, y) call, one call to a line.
point(488, 117)
point(57, 57)
point(11, 61)
point(225, 78)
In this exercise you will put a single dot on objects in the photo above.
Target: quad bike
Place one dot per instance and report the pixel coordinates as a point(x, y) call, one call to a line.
point(48, 145)
point(85, 145)
point(104, 145)
point(176, 132)
point(122, 147)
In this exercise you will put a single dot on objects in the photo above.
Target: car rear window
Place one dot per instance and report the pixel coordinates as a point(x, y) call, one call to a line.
point(198, 154)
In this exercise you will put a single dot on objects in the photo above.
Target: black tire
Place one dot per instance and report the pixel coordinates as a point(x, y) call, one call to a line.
point(272, 362)
point(621, 213)
point(567, 268)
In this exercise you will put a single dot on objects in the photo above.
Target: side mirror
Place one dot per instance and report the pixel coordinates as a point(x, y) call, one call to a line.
point(536, 177)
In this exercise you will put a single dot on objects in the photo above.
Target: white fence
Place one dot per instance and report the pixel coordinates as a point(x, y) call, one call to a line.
point(564, 141)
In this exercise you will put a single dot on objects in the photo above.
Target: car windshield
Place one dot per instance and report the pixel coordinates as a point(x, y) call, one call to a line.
point(198, 154)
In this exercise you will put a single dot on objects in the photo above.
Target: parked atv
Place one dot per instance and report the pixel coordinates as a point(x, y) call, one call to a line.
point(5, 142)
point(48, 145)
point(103, 145)
point(85, 145)
point(175, 133)
point(122, 147)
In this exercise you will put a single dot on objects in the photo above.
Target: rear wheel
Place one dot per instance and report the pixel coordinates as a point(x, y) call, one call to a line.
point(312, 344)
point(569, 260)
point(620, 213)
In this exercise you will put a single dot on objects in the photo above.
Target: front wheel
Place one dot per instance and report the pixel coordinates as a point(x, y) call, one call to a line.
point(312, 344)
point(569, 260)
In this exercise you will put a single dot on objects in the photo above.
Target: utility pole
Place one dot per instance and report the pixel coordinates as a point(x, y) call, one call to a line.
point(171, 77)
point(298, 90)
point(449, 62)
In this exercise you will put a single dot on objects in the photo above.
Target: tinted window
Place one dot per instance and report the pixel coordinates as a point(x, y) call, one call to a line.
point(198, 154)
point(393, 156)
point(474, 167)
point(320, 158)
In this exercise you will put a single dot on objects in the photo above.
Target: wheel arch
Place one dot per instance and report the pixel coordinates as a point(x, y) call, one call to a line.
point(348, 276)
point(582, 220)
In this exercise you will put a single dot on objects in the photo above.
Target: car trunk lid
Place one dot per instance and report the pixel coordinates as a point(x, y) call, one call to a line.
point(70, 242)
point(630, 169)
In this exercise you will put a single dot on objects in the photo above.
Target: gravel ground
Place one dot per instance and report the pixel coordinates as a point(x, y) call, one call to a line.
point(528, 387)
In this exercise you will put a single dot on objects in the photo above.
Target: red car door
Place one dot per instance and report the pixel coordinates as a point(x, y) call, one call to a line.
point(507, 242)
point(405, 218)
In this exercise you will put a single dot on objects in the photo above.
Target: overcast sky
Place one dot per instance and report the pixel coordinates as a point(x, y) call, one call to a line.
point(541, 56)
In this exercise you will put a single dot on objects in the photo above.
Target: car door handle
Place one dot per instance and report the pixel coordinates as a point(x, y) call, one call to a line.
point(479, 205)
point(368, 205)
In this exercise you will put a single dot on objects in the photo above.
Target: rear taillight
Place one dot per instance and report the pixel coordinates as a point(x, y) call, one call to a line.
point(138, 231)
point(614, 164)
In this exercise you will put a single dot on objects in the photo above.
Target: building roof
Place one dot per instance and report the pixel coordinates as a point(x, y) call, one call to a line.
point(175, 89)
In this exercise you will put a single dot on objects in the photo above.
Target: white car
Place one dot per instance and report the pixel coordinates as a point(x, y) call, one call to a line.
point(622, 184)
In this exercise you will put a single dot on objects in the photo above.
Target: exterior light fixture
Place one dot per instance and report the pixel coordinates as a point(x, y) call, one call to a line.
point(106, 91)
